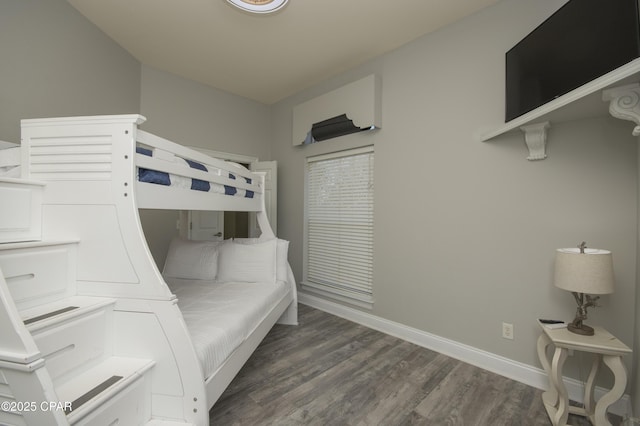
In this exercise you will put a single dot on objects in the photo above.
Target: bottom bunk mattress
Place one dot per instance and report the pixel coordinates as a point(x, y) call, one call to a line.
point(220, 316)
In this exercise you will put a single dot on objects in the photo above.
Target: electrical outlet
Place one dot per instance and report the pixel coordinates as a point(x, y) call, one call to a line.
point(507, 331)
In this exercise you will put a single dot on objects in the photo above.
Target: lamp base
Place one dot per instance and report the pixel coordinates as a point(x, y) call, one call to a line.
point(582, 329)
point(577, 326)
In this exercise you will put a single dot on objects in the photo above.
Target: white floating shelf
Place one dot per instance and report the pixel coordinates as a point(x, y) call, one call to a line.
point(584, 102)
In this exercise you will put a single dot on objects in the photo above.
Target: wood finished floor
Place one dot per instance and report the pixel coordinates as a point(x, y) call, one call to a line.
point(330, 371)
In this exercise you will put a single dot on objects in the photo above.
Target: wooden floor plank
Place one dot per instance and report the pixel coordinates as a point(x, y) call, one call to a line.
point(330, 371)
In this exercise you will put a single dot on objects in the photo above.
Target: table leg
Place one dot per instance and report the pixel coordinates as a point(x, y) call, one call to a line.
point(550, 397)
point(589, 400)
point(561, 416)
point(614, 362)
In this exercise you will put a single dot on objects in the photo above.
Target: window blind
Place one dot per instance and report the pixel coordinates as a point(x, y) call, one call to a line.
point(339, 224)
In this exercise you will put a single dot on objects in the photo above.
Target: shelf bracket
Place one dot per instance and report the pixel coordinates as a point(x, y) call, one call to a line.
point(624, 103)
point(535, 136)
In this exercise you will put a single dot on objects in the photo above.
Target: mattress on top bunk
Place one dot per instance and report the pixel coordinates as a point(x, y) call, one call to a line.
point(220, 316)
point(168, 179)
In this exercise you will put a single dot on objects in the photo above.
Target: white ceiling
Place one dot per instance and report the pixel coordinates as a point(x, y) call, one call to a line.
point(267, 57)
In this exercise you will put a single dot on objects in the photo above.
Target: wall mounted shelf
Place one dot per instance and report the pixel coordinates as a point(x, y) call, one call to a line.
point(611, 92)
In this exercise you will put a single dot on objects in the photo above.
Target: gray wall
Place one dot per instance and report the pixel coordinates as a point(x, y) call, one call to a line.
point(474, 245)
point(474, 250)
point(56, 63)
point(197, 115)
point(194, 114)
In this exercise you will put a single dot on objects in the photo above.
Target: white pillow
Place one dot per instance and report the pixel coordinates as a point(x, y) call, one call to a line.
point(193, 260)
point(282, 260)
point(239, 262)
point(282, 253)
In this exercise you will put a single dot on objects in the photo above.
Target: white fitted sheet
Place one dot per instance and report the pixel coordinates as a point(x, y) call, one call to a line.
point(220, 316)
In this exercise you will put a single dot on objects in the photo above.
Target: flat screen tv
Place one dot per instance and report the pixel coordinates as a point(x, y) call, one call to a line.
point(580, 42)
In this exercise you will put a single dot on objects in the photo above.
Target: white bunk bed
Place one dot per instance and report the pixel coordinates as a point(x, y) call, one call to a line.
point(88, 305)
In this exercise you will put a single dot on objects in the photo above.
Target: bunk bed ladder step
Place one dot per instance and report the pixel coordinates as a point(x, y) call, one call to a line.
point(64, 350)
point(116, 391)
point(75, 337)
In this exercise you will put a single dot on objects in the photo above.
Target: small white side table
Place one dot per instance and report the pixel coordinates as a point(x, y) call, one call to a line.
point(606, 347)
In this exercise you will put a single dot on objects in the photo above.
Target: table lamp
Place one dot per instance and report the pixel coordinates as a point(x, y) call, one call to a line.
point(583, 272)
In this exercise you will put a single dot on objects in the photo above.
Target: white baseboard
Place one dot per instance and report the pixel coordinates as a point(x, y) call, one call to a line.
point(524, 373)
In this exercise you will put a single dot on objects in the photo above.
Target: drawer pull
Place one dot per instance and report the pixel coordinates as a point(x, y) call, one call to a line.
point(60, 351)
point(17, 278)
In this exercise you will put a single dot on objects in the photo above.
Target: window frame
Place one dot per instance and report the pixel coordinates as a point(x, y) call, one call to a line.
point(358, 298)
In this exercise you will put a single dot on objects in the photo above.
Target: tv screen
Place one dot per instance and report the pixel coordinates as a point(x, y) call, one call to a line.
point(582, 41)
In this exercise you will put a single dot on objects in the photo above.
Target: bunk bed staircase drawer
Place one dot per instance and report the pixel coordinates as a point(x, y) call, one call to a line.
point(39, 272)
point(76, 343)
point(20, 210)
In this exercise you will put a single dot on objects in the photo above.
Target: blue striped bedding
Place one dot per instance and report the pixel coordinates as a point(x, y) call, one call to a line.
point(164, 178)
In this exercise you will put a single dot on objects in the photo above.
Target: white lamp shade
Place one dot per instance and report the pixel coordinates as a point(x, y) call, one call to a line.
point(590, 272)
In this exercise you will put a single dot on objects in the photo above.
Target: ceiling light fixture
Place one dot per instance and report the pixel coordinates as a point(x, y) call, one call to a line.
point(259, 6)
